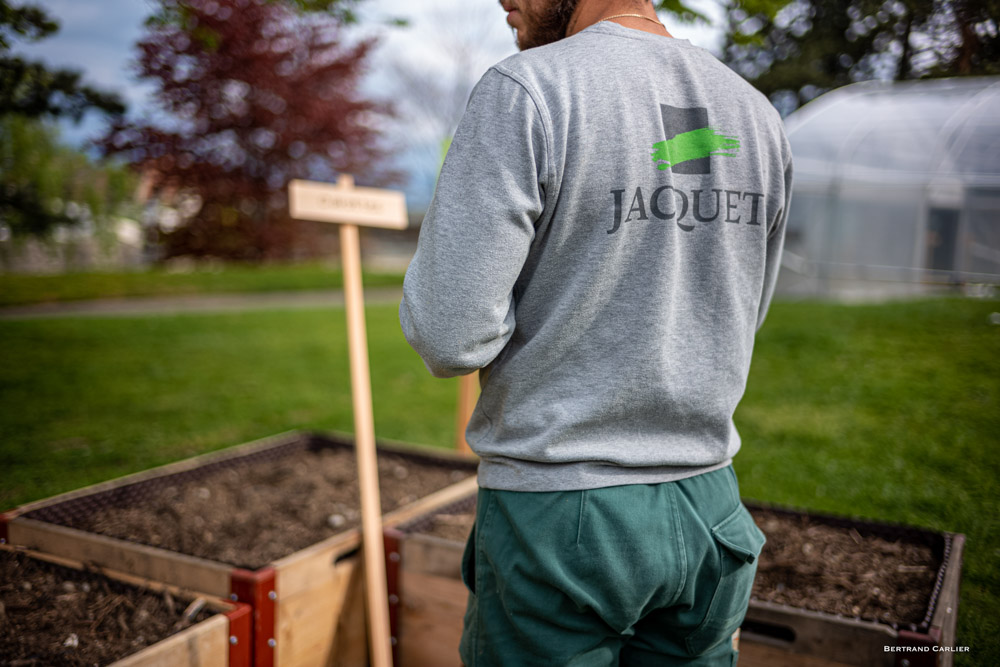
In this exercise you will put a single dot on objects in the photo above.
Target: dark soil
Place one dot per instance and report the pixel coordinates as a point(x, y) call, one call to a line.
point(451, 525)
point(251, 514)
point(810, 565)
point(837, 570)
point(51, 615)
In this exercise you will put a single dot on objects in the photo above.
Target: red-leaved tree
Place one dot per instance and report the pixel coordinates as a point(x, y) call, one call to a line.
point(253, 94)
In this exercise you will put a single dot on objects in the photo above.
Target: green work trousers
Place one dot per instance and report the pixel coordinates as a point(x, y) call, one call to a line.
point(636, 575)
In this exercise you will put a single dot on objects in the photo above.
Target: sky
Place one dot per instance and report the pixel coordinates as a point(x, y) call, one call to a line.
point(98, 37)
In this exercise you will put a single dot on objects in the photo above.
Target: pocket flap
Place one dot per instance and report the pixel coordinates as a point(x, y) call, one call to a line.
point(738, 533)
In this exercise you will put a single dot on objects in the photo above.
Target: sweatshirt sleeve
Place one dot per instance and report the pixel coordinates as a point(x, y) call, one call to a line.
point(775, 244)
point(458, 305)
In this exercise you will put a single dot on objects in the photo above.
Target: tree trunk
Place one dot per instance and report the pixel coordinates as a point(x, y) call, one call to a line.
point(903, 72)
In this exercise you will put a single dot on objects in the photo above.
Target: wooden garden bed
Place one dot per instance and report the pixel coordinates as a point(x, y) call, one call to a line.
point(55, 611)
point(295, 558)
point(830, 591)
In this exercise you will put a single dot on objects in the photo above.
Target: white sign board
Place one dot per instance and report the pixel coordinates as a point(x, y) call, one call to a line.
point(369, 207)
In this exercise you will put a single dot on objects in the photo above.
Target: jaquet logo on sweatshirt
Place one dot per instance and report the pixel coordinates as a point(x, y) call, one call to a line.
point(704, 205)
point(688, 150)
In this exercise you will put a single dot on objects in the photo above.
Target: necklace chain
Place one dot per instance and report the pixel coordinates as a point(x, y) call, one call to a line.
point(637, 16)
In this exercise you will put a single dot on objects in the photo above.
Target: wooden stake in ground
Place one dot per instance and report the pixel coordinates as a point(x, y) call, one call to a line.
point(468, 390)
point(350, 207)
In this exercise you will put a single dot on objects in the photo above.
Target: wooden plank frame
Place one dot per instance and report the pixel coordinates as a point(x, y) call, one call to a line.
point(223, 639)
point(432, 598)
point(431, 601)
point(307, 608)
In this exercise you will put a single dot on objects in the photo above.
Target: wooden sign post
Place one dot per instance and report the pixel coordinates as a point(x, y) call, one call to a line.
point(468, 390)
point(349, 206)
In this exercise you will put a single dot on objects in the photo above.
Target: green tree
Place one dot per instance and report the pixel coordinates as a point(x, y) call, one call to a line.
point(687, 14)
point(810, 46)
point(44, 183)
point(31, 88)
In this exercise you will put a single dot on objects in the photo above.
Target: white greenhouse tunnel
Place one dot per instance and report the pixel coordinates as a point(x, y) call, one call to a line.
point(897, 190)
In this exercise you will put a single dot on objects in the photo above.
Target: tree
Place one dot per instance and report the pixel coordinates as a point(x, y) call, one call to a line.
point(256, 94)
point(811, 46)
point(45, 183)
point(32, 89)
point(686, 14)
point(39, 177)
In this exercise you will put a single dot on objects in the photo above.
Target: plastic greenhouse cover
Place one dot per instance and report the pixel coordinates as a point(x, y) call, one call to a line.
point(911, 132)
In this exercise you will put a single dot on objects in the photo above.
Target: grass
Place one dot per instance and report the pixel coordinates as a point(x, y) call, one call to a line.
point(98, 398)
point(18, 289)
point(889, 412)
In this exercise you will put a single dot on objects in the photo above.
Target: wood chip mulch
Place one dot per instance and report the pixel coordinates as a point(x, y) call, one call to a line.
point(52, 615)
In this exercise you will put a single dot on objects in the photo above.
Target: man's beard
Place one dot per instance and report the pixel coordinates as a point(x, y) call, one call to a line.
point(549, 25)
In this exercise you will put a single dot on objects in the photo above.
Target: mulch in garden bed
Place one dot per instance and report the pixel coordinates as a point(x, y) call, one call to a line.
point(811, 565)
point(249, 514)
point(53, 615)
point(838, 570)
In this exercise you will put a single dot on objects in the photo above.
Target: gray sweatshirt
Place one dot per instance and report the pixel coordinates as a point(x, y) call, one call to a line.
point(603, 243)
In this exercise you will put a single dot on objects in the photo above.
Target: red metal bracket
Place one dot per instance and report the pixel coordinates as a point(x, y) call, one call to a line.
point(240, 635)
point(923, 654)
point(257, 588)
point(393, 557)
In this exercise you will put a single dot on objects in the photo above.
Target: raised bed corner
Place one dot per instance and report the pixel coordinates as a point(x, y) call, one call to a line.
point(426, 592)
point(307, 607)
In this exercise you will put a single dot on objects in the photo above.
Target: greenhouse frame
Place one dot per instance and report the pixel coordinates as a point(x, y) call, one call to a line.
point(897, 190)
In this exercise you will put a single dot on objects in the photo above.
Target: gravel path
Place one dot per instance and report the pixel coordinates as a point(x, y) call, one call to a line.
point(206, 303)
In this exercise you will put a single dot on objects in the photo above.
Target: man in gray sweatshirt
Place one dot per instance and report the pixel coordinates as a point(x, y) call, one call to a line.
point(602, 246)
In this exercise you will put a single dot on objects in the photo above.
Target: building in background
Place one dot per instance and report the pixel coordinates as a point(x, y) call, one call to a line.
point(897, 190)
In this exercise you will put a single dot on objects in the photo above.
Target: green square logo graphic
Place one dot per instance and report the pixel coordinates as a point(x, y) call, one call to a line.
point(690, 141)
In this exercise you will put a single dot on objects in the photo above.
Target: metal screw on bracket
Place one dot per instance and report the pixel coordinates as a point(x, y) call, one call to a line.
point(271, 595)
point(272, 643)
point(233, 640)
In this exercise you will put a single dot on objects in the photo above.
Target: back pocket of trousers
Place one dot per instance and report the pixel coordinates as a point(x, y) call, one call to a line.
point(739, 542)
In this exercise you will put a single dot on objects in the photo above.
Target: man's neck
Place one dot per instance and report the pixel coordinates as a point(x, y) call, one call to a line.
point(589, 12)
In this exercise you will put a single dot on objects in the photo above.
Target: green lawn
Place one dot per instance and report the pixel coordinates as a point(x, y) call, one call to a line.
point(884, 411)
point(18, 289)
